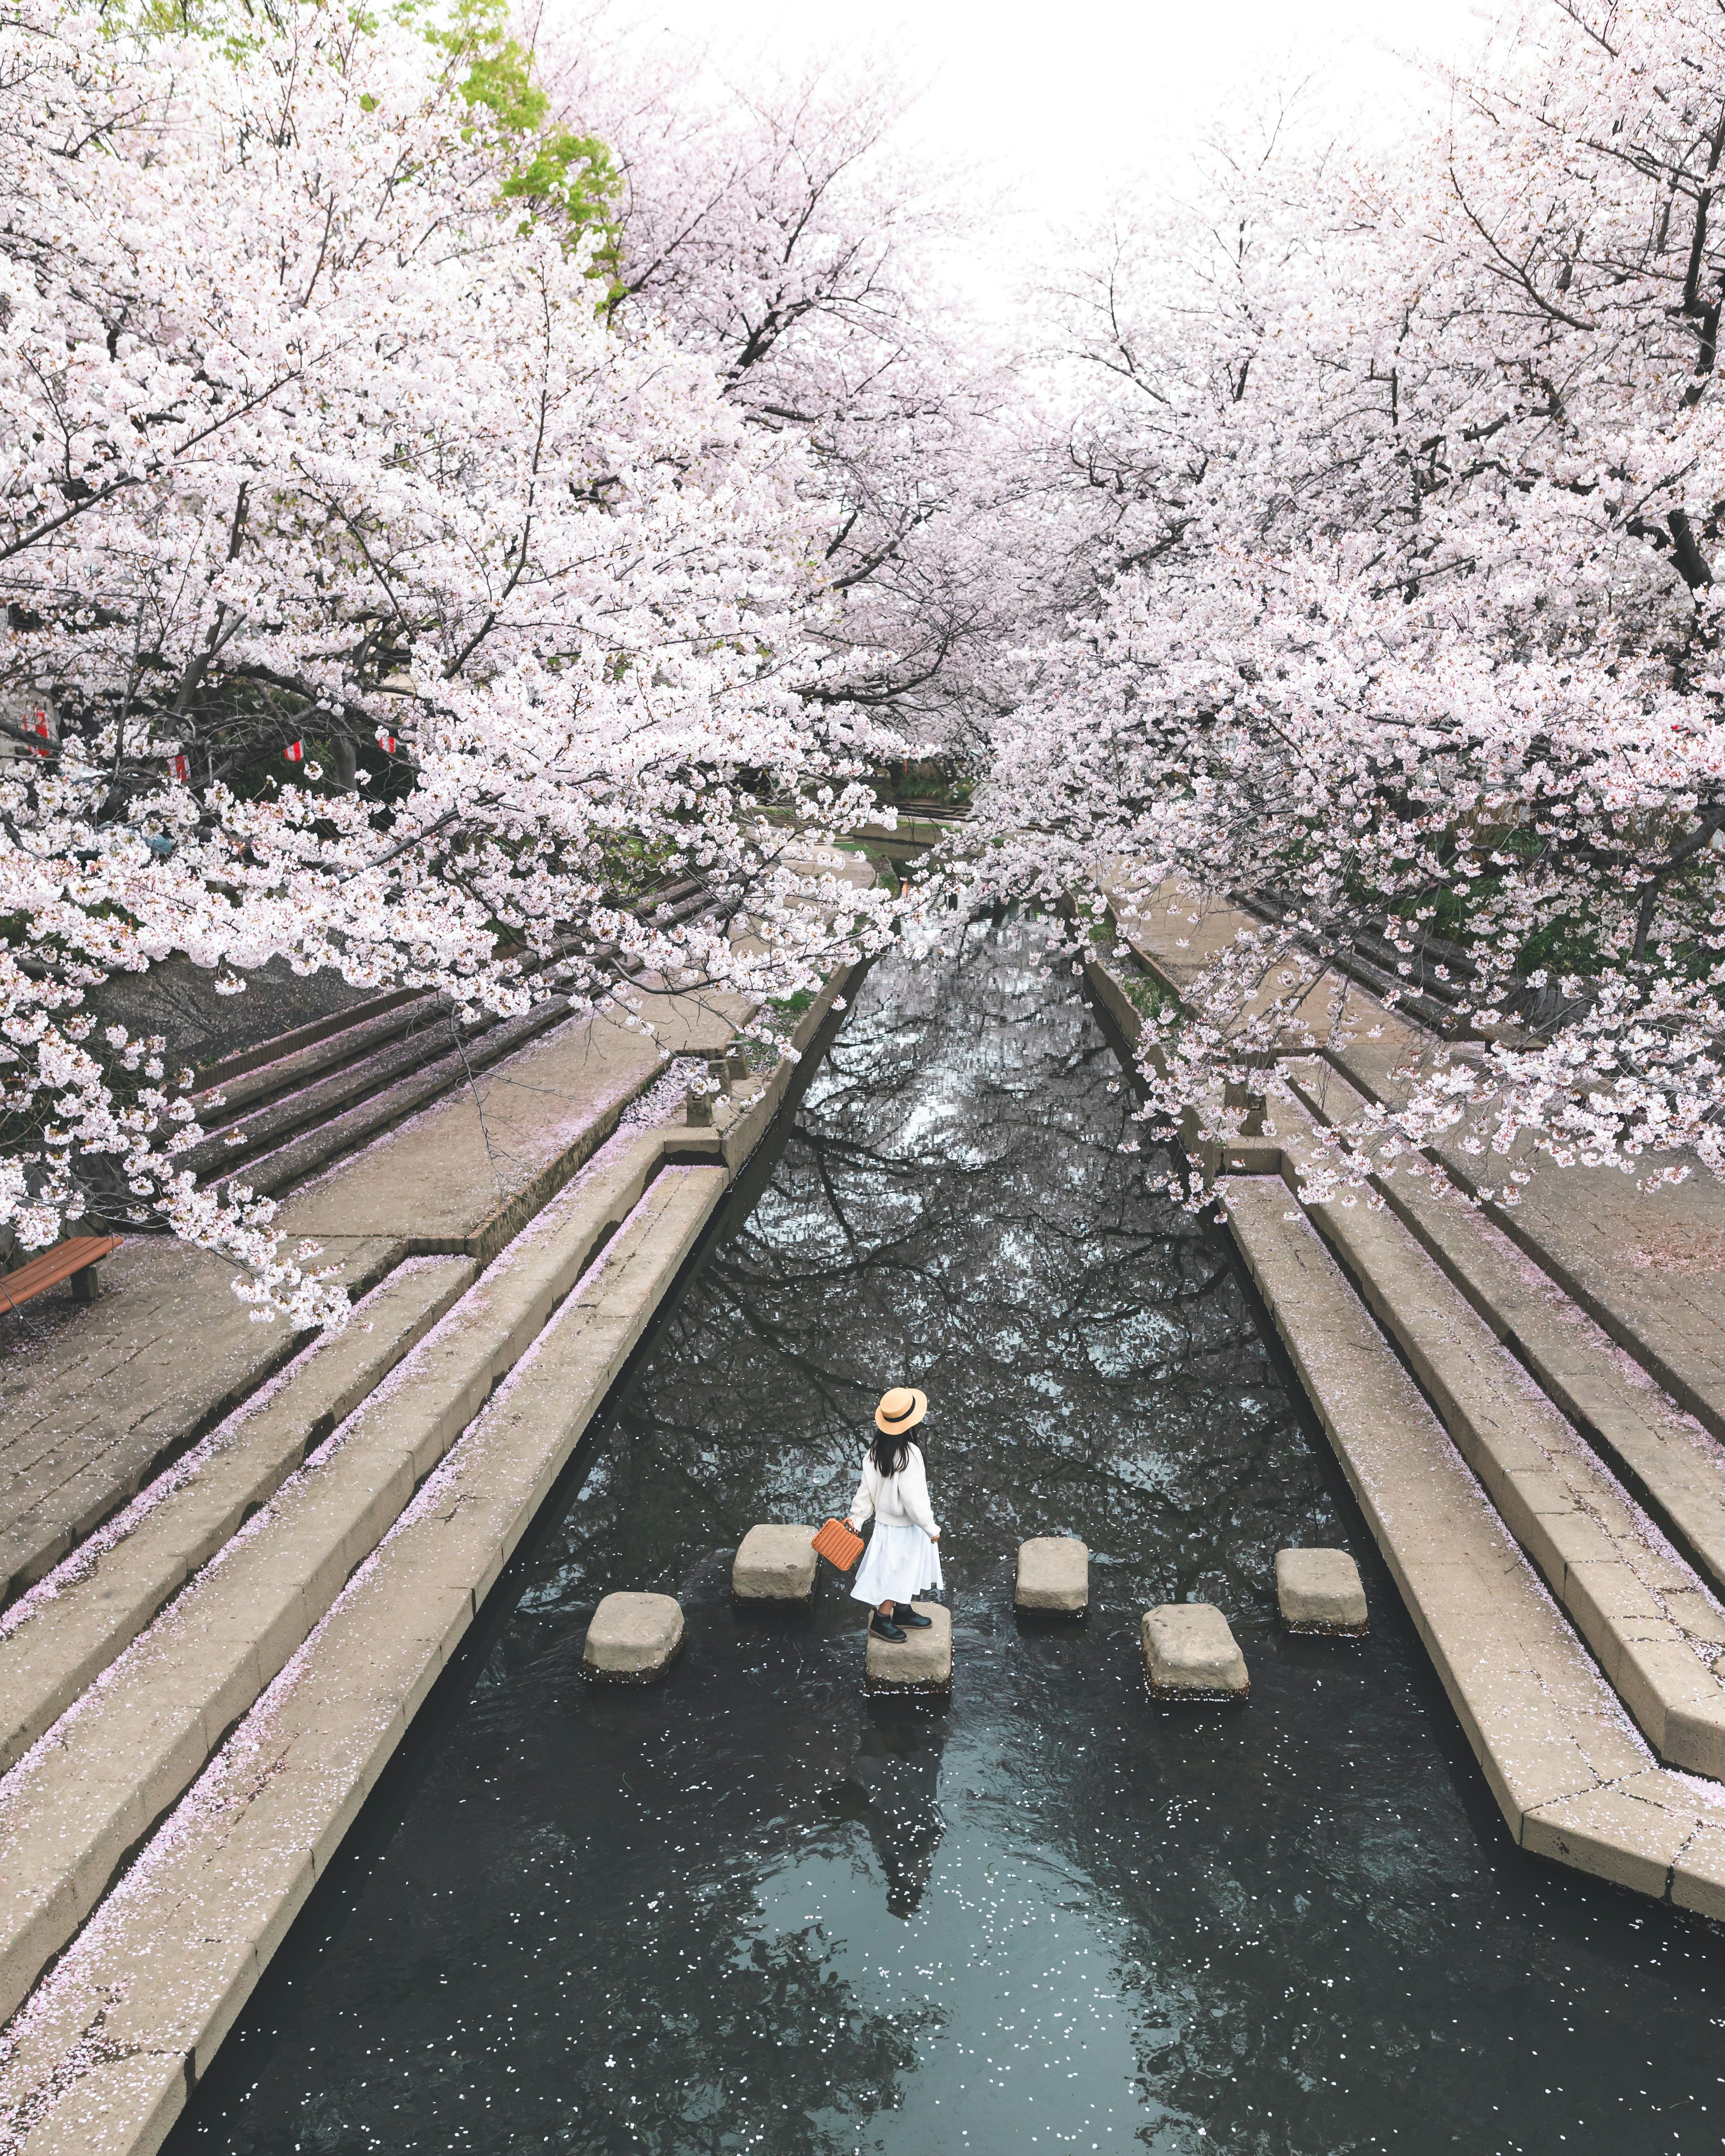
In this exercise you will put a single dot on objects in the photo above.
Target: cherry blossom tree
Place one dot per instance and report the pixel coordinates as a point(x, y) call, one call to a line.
point(776, 222)
point(377, 598)
point(1393, 608)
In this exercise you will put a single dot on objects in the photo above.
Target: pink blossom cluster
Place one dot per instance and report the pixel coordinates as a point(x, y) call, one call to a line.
point(1395, 489)
point(323, 461)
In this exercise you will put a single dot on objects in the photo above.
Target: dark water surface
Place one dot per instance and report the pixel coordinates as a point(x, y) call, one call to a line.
point(749, 1910)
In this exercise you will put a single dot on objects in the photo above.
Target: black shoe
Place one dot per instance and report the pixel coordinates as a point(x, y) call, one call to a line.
point(883, 1628)
point(913, 1617)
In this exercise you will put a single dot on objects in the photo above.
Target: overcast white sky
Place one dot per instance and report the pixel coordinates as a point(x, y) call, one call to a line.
point(1095, 91)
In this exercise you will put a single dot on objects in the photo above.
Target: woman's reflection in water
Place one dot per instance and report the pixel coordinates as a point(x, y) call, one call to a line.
point(891, 1789)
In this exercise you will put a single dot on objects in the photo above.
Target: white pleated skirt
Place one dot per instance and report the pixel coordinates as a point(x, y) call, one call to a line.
point(899, 1564)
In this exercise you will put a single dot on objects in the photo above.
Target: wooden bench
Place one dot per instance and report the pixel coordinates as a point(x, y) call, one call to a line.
point(75, 1261)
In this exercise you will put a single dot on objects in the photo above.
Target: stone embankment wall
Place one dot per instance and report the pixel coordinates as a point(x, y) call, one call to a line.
point(1529, 1407)
point(202, 1678)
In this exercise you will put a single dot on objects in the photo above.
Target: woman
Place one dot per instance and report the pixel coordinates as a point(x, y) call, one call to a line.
point(902, 1559)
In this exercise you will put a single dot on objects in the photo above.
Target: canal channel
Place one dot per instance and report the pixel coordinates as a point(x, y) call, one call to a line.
point(748, 1909)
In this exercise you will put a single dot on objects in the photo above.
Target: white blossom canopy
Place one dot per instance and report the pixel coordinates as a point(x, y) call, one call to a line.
point(318, 446)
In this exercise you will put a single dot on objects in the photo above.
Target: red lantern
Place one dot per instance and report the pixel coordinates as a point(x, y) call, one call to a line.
point(295, 751)
point(179, 767)
point(386, 740)
point(36, 722)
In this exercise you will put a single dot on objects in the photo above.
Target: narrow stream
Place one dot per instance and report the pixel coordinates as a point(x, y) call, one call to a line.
point(750, 1910)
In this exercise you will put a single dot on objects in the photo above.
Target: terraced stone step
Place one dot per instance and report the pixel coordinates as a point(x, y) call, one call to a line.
point(380, 1101)
point(280, 1066)
point(1676, 1466)
point(63, 1636)
point(1574, 1782)
point(93, 1403)
point(77, 1805)
point(1656, 1629)
point(132, 2015)
point(101, 1776)
point(1648, 1269)
point(407, 1038)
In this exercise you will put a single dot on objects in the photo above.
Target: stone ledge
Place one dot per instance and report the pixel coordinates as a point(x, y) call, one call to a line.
point(122, 2108)
point(732, 1144)
point(1614, 1833)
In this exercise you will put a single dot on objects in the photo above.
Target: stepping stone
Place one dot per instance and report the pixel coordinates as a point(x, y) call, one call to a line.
point(633, 1639)
point(924, 1663)
point(1053, 1574)
point(1319, 1590)
point(775, 1565)
point(1189, 1653)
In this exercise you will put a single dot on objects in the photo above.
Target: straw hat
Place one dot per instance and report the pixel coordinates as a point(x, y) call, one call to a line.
point(900, 1410)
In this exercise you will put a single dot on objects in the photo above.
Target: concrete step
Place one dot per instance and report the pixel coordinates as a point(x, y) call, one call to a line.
point(1574, 1781)
point(343, 1595)
point(64, 1633)
point(101, 1777)
point(131, 2016)
point(334, 1083)
point(1673, 1463)
point(1655, 1626)
point(390, 1087)
point(289, 1064)
point(1574, 1778)
point(1647, 1268)
point(107, 1394)
point(282, 1067)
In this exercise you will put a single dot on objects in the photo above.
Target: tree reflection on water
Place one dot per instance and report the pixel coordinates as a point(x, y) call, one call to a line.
point(955, 1213)
point(750, 1909)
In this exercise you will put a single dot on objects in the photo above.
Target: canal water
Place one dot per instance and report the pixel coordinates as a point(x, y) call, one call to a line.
point(750, 1910)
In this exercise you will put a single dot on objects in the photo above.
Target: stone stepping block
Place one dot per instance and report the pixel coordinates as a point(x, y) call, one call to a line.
point(1319, 1590)
point(1053, 1574)
point(633, 1639)
point(775, 1563)
point(923, 1663)
point(1189, 1653)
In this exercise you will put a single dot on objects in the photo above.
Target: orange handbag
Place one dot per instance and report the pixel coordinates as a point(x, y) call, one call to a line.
point(840, 1544)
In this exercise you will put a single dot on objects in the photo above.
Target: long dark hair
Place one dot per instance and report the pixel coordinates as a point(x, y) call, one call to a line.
point(891, 1448)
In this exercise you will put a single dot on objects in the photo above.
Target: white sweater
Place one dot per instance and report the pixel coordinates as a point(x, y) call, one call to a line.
point(896, 1501)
